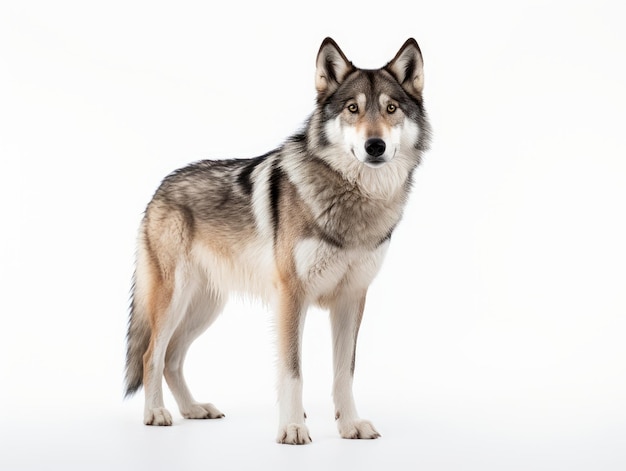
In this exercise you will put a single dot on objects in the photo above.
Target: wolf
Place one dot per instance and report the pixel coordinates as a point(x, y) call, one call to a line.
point(306, 224)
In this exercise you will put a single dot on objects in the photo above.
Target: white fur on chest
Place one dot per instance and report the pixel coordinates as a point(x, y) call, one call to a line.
point(323, 268)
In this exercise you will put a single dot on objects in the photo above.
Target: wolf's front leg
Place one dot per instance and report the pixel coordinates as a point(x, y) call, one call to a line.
point(291, 427)
point(346, 314)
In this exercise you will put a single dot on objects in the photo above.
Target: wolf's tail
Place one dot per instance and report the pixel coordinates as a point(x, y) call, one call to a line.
point(137, 342)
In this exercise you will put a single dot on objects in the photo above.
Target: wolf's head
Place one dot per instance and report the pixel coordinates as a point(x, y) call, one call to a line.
point(373, 116)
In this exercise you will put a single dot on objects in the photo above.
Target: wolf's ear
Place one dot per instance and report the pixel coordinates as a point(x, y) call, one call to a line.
point(332, 68)
point(408, 68)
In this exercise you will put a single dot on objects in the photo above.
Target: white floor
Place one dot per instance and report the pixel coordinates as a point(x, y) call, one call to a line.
point(423, 439)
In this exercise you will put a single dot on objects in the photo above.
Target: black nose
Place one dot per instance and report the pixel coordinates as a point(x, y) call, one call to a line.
point(375, 147)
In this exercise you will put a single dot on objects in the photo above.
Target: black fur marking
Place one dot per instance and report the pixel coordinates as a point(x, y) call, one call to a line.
point(386, 238)
point(327, 238)
point(299, 137)
point(244, 179)
point(274, 187)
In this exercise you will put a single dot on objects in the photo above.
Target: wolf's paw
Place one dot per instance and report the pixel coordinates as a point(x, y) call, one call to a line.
point(294, 434)
point(202, 411)
point(157, 416)
point(362, 429)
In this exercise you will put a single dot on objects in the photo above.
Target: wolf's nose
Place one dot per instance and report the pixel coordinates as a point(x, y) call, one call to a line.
point(375, 147)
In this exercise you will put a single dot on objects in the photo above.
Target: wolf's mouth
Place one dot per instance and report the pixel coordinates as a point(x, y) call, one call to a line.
point(375, 162)
point(370, 161)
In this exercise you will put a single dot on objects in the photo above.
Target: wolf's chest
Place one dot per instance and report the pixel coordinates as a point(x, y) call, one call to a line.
point(324, 269)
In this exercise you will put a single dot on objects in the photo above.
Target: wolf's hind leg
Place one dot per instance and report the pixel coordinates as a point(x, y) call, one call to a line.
point(165, 323)
point(202, 311)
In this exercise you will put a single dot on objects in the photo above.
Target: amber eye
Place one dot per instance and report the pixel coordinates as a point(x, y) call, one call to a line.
point(353, 108)
point(391, 108)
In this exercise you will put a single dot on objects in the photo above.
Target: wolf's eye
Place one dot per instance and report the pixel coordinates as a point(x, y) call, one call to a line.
point(353, 108)
point(391, 108)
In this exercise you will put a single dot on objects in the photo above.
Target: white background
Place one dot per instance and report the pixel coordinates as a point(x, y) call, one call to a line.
point(494, 337)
